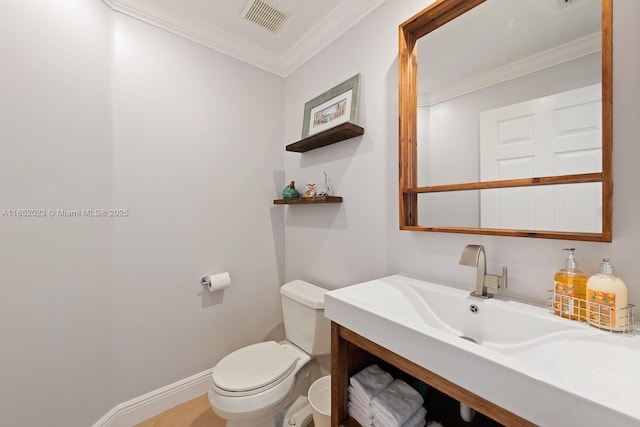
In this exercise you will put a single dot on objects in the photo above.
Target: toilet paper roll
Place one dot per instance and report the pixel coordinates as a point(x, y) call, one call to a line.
point(216, 282)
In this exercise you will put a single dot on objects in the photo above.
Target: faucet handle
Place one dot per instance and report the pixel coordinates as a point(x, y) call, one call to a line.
point(502, 280)
point(496, 282)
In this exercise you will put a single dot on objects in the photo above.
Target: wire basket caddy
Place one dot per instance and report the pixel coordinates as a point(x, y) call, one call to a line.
point(599, 315)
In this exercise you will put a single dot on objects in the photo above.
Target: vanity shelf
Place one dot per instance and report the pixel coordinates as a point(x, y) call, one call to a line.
point(330, 136)
point(351, 352)
point(308, 200)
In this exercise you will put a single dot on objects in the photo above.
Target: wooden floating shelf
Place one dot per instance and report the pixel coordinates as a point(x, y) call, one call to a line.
point(308, 200)
point(330, 136)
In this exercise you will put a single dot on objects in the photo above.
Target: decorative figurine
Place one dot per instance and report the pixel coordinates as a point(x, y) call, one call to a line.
point(290, 191)
point(325, 190)
point(311, 190)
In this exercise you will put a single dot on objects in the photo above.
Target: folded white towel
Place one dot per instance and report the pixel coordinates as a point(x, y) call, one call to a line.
point(369, 382)
point(358, 398)
point(417, 419)
point(395, 404)
point(363, 417)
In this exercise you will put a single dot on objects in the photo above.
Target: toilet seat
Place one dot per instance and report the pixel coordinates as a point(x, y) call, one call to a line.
point(253, 369)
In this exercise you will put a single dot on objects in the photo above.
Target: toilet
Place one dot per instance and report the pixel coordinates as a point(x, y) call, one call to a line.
point(265, 384)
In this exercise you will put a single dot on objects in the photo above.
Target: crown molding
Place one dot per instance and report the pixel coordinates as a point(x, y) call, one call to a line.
point(340, 19)
point(557, 55)
point(213, 38)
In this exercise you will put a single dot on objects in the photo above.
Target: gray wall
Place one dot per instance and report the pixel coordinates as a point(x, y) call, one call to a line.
point(197, 144)
point(99, 110)
point(55, 272)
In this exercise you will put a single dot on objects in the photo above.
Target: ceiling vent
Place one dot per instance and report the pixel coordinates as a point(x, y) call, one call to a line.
point(265, 13)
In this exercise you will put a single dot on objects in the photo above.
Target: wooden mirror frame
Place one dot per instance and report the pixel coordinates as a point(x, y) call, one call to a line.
point(432, 17)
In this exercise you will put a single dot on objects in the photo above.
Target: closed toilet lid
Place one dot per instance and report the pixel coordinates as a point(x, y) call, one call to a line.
point(253, 367)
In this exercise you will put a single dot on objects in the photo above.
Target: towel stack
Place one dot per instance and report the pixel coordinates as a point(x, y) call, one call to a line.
point(363, 388)
point(398, 405)
point(376, 399)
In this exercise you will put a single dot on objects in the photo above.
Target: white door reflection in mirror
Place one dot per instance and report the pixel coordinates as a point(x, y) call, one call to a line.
point(559, 134)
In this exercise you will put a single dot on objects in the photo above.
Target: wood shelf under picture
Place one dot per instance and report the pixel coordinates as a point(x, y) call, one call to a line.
point(330, 136)
point(308, 200)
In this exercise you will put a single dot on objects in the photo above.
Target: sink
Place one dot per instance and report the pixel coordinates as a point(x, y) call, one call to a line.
point(488, 322)
point(549, 370)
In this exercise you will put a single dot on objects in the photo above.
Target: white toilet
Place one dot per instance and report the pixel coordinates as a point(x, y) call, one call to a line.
point(265, 384)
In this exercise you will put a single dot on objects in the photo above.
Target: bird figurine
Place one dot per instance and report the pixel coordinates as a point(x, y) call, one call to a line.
point(311, 190)
point(290, 191)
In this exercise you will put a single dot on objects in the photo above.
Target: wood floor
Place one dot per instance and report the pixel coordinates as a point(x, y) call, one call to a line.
point(193, 413)
point(198, 413)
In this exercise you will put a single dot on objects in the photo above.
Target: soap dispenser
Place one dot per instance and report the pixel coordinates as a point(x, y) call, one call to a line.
point(607, 300)
point(570, 289)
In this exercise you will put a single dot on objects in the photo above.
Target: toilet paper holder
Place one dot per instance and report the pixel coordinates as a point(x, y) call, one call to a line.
point(216, 282)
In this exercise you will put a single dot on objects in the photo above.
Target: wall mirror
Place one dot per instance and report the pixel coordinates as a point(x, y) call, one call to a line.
point(506, 118)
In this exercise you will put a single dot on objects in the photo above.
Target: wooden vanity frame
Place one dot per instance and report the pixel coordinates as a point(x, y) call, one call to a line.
point(351, 352)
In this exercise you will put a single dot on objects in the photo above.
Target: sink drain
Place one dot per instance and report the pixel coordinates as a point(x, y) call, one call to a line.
point(468, 339)
point(474, 309)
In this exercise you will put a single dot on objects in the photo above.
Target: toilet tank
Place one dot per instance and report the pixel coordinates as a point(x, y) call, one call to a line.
point(304, 321)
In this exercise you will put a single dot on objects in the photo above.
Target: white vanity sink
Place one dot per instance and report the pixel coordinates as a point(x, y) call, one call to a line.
point(549, 370)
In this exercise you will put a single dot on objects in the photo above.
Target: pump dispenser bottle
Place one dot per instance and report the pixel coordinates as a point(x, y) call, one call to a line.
point(570, 286)
point(607, 300)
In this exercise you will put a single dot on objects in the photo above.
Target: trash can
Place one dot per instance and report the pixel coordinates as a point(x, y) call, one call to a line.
point(320, 401)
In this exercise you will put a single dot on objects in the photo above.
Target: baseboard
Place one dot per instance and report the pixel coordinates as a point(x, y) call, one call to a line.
point(146, 406)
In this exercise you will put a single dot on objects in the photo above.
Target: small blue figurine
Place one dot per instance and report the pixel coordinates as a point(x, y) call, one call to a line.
point(290, 191)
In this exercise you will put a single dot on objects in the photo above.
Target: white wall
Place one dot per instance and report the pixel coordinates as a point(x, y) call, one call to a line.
point(55, 153)
point(198, 162)
point(360, 239)
point(336, 245)
point(98, 110)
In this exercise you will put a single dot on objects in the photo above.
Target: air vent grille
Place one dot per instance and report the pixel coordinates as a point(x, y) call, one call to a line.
point(266, 14)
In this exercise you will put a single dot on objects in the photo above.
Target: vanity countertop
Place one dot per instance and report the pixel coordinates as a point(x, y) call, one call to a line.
point(549, 370)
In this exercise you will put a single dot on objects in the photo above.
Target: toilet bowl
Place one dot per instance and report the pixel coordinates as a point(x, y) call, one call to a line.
point(262, 384)
point(287, 372)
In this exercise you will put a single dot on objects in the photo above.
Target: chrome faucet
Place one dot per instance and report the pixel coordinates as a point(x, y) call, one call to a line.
point(474, 256)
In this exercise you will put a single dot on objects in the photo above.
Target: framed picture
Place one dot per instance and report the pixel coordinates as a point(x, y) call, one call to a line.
point(334, 107)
